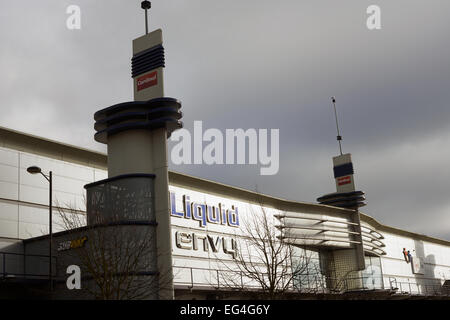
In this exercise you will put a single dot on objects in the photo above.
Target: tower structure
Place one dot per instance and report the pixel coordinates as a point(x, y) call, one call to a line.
point(346, 196)
point(136, 133)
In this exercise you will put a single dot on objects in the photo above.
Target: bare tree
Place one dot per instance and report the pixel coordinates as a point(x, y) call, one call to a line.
point(118, 261)
point(265, 264)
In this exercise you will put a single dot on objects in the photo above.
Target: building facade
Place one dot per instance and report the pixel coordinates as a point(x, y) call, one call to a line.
point(211, 224)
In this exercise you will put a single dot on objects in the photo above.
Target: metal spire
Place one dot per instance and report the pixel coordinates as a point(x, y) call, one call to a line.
point(339, 137)
point(146, 5)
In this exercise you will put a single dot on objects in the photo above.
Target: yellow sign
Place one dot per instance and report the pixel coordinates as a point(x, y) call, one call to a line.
point(72, 244)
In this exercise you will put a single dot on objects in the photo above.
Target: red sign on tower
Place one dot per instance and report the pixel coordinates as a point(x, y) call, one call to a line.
point(344, 180)
point(147, 80)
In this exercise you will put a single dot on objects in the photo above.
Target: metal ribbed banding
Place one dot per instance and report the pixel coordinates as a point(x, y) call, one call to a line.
point(149, 115)
point(339, 195)
point(147, 60)
point(322, 231)
point(353, 199)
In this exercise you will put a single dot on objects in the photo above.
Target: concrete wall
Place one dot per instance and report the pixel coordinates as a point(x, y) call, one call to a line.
point(435, 268)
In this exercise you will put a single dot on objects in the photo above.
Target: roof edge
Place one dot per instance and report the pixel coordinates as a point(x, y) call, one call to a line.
point(26, 142)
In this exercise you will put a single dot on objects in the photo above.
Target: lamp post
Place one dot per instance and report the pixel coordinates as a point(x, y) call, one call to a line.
point(35, 170)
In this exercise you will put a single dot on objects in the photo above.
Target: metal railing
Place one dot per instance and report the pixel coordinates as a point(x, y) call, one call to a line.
point(416, 288)
point(202, 278)
point(192, 277)
point(19, 265)
point(34, 266)
point(213, 278)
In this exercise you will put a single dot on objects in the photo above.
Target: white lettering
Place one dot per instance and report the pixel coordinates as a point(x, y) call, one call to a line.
point(374, 20)
point(190, 241)
point(247, 144)
point(74, 280)
point(73, 22)
point(181, 152)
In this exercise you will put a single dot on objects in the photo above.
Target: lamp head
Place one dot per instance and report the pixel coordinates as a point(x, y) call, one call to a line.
point(34, 170)
point(146, 5)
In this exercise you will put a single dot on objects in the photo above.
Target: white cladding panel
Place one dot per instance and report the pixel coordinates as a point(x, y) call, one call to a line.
point(434, 269)
point(9, 157)
point(24, 197)
point(9, 190)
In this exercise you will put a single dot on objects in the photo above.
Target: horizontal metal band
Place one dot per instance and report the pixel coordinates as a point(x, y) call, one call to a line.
point(120, 177)
point(137, 105)
point(287, 216)
point(320, 239)
point(371, 233)
point(335, 195)
point(146, 51)
point(148, 56)
point(169, 123)
point(349, 200)
point(350, 205)
point(372, 241)
point(343, 170)
point(374, 252)
point(371, 238)
point(372, 249)
point(140, 116)
point(152, 66)
point(343, 200)
point(147, 60)
point(290, 226)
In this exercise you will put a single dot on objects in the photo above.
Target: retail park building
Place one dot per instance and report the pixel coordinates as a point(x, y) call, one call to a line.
point(167, 235)
point(24, 219)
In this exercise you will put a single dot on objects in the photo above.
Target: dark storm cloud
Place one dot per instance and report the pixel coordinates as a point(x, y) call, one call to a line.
point(258, 64)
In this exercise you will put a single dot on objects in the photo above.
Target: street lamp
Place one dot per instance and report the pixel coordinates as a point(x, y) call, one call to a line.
point(35, 170)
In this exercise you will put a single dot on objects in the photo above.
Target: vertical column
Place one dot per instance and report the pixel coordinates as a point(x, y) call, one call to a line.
point(162, 205)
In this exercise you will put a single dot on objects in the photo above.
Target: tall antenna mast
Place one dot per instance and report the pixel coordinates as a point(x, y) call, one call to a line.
point(146, 5)
point(339, 137)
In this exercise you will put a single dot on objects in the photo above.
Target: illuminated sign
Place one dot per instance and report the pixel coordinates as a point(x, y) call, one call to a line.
point(205, 242)
point(204, 213)
point(72, 244)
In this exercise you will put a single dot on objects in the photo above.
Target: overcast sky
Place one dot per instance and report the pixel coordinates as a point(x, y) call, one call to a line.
point(258, 64)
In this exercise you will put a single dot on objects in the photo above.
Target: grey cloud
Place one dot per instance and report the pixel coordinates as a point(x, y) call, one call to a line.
point(257, 64)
